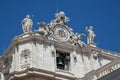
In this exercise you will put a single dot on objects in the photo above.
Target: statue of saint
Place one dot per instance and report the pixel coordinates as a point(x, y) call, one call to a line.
point(27, 24)
point(91, 35)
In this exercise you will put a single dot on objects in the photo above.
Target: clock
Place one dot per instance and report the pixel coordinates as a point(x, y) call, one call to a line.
point(61, 32)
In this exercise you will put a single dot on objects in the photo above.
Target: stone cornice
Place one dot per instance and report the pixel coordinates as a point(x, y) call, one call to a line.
point(106, 53)
point(36, 37)
point(39, 72)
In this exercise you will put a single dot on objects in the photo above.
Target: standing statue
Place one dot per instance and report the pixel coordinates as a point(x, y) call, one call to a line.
point(27, 24)
point(91, 35)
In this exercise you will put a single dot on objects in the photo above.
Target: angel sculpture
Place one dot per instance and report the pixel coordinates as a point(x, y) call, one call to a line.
point(61, 18)
point(43, 28)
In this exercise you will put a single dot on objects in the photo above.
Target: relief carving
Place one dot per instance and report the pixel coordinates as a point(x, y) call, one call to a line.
point(6, 61)
point(25, 58)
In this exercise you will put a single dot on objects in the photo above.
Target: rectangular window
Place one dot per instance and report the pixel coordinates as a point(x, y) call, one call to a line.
point(63, 60)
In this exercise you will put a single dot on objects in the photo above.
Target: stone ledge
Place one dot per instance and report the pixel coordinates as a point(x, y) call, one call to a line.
point(38, 72)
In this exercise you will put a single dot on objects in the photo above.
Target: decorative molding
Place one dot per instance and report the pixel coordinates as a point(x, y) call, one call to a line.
point(42, 73)
point(53, 50)
point(25, 58)
point(95, 54)
point(74, 56)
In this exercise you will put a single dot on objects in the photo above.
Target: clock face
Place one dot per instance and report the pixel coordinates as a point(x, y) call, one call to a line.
point(61, 33)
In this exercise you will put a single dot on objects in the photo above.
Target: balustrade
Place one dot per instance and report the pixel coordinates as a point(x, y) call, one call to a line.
point(106, 69)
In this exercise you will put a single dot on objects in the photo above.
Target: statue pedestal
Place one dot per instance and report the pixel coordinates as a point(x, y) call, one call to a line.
point(92, 45)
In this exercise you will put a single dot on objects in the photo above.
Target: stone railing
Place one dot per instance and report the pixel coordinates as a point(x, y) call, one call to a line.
point(106, 69)
point(110, 67)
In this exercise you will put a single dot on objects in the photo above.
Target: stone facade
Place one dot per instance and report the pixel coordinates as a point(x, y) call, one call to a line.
point(54, 52)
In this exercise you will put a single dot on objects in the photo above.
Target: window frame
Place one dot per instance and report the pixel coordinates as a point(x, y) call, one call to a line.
point(63, 52)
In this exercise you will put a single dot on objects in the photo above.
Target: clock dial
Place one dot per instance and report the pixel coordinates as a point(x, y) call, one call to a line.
point(61, 33)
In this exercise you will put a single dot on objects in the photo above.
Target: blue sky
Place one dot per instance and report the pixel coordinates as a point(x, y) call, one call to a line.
point(104, 15)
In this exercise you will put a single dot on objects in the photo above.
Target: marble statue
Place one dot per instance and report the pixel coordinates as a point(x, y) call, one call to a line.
point(27, 24)
point(43, 28)
point(61, 18)
point(76, 38)
point(91, 35)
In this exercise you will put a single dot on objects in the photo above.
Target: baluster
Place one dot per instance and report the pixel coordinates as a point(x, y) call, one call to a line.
point(105, 72)
point(115, 67)
point(99, 74)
